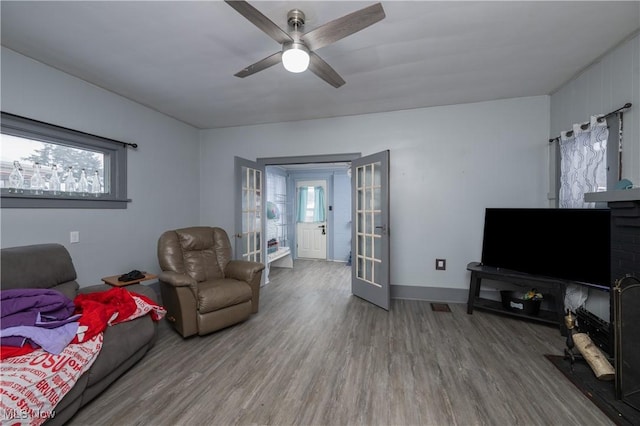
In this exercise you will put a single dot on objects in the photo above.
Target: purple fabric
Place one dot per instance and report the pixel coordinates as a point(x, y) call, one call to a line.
point(55, 323)
point(33, 307)
point(26, 306)
point(52, 340)
point(16, 341)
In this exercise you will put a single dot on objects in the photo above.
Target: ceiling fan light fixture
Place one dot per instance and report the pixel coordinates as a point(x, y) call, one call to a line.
point(295, 57)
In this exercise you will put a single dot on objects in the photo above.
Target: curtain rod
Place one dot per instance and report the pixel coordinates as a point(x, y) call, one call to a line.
point(621, 109)
point(27, 120)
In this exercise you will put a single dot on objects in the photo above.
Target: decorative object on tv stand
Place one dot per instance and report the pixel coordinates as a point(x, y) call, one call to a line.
point(533, 294)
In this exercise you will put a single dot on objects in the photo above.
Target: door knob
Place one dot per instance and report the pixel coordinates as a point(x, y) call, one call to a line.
point(239, 235)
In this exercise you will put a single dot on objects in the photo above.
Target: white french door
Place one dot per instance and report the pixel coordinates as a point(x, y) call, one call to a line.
point(370, 229)
point(248, 210)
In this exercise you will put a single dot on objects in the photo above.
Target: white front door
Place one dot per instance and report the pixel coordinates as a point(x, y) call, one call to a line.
point(311, 223)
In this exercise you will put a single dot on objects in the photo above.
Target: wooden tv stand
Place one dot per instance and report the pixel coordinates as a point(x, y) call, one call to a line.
point(551, 288)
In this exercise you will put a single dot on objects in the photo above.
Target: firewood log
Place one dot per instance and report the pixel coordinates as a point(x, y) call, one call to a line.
point(593, 355)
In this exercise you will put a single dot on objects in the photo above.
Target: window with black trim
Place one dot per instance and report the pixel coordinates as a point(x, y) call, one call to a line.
point(47, 166)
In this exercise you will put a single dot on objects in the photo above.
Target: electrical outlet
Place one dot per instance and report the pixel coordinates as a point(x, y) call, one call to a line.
point(74, 237)
point(441, 264)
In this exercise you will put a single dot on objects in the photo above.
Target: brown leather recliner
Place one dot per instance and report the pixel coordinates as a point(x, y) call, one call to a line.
point(202, 288)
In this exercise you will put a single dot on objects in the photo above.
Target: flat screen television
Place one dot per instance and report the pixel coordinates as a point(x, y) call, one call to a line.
point(570, 244)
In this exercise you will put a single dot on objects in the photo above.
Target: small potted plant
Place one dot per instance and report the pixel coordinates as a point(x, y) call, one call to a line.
point(533, 294)
point(532, 300)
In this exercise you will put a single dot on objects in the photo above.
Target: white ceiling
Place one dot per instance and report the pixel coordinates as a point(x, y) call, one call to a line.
point(179, 57)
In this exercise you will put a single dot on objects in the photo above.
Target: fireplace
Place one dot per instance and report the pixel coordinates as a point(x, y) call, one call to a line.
point(625, 239)
point(626, 297)
point(624, 328)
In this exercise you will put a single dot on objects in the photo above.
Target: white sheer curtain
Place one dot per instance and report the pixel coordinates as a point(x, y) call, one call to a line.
point(583, 162)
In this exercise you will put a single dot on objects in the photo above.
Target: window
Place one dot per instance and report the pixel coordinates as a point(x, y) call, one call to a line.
point(311, 204)
point(47, 166)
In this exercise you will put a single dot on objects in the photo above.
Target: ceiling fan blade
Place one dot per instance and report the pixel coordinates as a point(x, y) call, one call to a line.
point(323, 70)
point(260, 21)
point(343, 27)
point(265, 63)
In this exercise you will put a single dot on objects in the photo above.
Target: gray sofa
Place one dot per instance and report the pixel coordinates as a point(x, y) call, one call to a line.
point(50, 266)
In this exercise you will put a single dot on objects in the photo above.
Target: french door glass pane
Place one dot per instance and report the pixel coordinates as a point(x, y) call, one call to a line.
point(368, 226)
point(367, 175)
point(360, 268)
point(245, 222)
point(377, 198)
point(368, 270)
point(251, 205)
point(377, 254)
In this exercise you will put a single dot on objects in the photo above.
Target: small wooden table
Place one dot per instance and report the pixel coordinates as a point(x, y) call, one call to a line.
point(113, 280)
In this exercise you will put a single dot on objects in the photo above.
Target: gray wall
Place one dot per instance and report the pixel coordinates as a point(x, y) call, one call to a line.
point(447, 164)
point(163, 172)
point(605, 86)
point(341, 216)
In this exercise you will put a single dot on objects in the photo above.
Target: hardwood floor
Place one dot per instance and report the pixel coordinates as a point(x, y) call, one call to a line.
point(316, 355)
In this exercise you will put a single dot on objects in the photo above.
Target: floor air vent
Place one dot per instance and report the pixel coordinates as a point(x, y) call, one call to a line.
point(440, 307)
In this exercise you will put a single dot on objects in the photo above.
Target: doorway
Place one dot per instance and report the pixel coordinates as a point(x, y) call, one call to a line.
point(311, 219)
point(334, 169)
point(369, 238)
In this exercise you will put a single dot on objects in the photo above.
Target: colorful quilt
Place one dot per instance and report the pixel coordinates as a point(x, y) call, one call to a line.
point(34, 381)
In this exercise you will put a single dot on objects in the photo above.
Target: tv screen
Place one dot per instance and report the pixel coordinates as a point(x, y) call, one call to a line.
point(571, 244)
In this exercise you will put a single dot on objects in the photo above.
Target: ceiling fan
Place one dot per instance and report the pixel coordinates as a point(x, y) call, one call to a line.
point(298, 48)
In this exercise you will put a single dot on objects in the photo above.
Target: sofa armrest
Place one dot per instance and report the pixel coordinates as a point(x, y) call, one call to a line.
point(242, 270)
point(134, 288)
point(176, 279)
point(94, 288)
